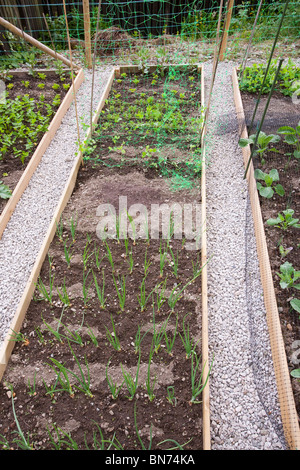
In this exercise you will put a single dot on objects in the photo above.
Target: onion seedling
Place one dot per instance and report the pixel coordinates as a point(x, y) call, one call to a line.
point(100, 292)
point(150, 385)
point(187, 341)
point(197, 378)
point(171, 395)
point(113, 387)
point(112, 337)
point(170, 341)
point(121, 293)
point(130, 382)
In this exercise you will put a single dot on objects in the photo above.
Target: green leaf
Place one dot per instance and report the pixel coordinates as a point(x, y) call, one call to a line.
point(274, 175)
point(291, 139)
point(295, 303)
point(297, 154)
point(286, 130)
point(259, 175)
point(244, 142)
point(5, 192)
point(266, 192)
point(279, 190)
point(295, 373)
point(273, 221)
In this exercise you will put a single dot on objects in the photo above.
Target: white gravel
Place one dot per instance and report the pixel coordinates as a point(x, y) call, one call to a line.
point(245, 412)
point(25, 231)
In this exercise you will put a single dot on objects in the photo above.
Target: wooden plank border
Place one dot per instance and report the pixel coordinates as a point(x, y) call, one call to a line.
point(283, 379)
point(204, 288)
point(38, 153)
point(7, 346)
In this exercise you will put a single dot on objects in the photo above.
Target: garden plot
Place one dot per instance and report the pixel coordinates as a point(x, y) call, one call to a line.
point(110, 351)
point(277, 173)
point(31, 100)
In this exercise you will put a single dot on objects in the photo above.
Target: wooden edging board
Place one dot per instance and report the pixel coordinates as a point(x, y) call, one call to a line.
point(7, 346)
point(283, 379)
point(39, 152)
point(204, 291)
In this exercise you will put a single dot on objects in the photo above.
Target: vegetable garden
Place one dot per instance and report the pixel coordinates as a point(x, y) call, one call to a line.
point(106, 344)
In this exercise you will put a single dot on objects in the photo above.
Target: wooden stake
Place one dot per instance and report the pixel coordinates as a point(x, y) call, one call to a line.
point(87, 32)
point(227, 25)
point(13, 29)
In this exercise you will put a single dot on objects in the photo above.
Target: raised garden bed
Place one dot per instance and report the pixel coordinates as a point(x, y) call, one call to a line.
point(153, 158)
point(32, 101)
point(282, 245)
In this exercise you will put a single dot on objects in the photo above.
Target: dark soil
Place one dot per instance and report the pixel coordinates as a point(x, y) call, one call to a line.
point(79, 415)
point(11, 167)
point(281, 112)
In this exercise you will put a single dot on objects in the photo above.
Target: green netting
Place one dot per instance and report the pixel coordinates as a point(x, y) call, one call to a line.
point(150, 30)
point(152, 120)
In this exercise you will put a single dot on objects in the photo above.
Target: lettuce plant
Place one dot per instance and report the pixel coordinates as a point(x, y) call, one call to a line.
point(284, 220)
point(288, 276)
point(270, 180)
point(292, 137)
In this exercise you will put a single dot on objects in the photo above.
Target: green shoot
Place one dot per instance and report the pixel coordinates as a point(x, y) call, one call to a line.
point(122, 292)
point(197, 378)
point(170, 341)
point(113, 387)
point(150, 385)
point(112, 337)
point(100, 292)
point(130, 382)
point(187, 341)
point(171, 395)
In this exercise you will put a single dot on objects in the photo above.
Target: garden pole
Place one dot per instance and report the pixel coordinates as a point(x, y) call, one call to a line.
point(227, 25)
point(268, 66)
point(72, 72)
point(250, 41)
point(94, 63)
point(263, 116)
point(215, 64)
point(13, 29)
point(87, 32)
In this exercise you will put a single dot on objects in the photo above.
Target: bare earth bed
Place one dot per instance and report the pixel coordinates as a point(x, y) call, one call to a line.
point(78, 374)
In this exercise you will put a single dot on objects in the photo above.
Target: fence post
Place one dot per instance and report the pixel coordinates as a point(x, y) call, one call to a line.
point(87, 32)
point(226, 29)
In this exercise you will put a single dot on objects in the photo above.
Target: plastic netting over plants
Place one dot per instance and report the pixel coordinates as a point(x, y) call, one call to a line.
point(153, 118)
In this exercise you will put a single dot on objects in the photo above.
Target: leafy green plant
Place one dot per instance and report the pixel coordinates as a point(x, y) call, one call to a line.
point(270, 179)
point(5, 192)
point(292, 137)
point(262, 144)
point(284, 220)
point(288, 276)
point(295, 304)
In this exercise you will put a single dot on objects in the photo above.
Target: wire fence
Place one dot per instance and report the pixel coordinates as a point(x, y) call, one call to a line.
point(125, 24)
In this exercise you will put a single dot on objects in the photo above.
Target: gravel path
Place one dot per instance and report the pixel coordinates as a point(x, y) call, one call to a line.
point(25, 232)
point(245, 413)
